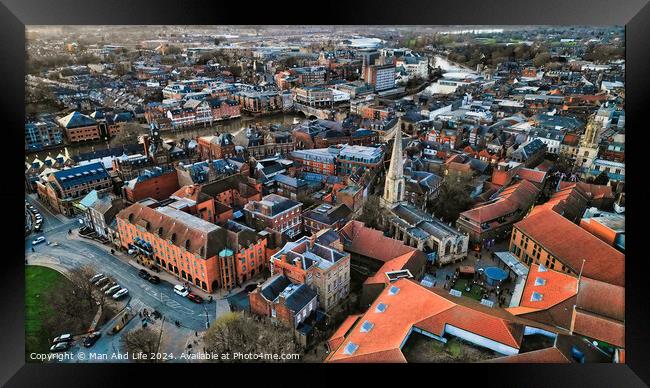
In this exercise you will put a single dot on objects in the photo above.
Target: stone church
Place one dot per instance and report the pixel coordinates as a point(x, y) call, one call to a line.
point(440, 242)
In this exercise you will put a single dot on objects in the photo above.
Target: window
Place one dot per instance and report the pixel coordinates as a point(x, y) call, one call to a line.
point(381, 307)
point(366, 327)
point(540, 281)
point(350, 348)
point(536, 297)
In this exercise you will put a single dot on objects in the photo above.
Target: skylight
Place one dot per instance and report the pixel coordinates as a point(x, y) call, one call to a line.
point(540, 281)
point(453, 292)
point(351, 348)
point(541, 268)
point(536, 297)
point(393, 290)
point(381, 307)
point(366, 327)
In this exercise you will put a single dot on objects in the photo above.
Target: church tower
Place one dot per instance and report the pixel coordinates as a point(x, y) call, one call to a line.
point(395, 183)
point(589, 144)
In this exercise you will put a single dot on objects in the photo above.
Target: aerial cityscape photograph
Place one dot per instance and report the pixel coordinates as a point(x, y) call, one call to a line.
point(324, 194)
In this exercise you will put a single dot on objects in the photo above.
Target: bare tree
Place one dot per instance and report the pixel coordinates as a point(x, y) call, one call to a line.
point(240, 332)
point(141, 341)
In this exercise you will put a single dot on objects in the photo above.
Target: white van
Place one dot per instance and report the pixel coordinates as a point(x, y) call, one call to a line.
point(180, 290)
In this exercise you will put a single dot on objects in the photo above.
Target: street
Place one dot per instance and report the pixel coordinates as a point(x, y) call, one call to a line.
point(73, 251)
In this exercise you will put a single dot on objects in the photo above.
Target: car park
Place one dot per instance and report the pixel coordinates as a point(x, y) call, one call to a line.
point(120, 293)
point(112, 290)
point(91, 339)
point(63, 338)
point(181, 290)
point(194, 298)
point(153, 279)
point(60, 347)
point(96, 277)
point(144, 274)
point(38, 240)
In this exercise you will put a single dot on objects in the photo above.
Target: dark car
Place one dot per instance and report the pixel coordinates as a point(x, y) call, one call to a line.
point(144, 274)
point(194, 298)
point(153, 279)
point(92, 338)
point(250, 287)
point(60, 347)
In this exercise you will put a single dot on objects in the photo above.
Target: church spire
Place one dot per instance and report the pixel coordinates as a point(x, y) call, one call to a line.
point(394, 185)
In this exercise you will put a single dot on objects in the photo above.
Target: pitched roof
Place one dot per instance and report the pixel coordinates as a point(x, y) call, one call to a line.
point(203, 238)
point(359, 239)
point(599, 327)
point(571, 244)
point(427, 309)
point(80, 175)
point(395, 264)
point(553, 286)
point(601, 298)
point(517, 196)
point(76, 119)
point(550, 355)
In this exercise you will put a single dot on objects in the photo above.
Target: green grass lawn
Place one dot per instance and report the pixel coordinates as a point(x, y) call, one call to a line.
point(38, 281)
point(474, 293)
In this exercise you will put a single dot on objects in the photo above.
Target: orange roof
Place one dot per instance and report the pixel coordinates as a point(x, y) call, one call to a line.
point(517, 196)
point(557, 287)
point(392, 265)
point(536, 176)
point(337, 338)
point(550, 355)
point(571, 244)
point(369, 242)
point(599, 328)
point(518, 310)
point(415, 305)
point(601, 298)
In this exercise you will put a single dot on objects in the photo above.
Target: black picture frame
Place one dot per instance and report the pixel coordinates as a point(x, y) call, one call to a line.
point(15, 14)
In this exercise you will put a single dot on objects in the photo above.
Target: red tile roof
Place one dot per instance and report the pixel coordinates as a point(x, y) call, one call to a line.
point(601, 298)
point(557, 287)
point(598, 327)
point(395, 264)
point(550, 355)
point(427, 309)
point(339, 335)
point(518, 196)
point(359, 239)
point(571, 244)
point(528, 174)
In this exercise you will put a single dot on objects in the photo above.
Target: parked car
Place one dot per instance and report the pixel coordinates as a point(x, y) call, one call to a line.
point(96, 277)
point(112, 290)
point(107, 286)
point(144, 274)
point(38, 240)
point(181, 290)
point(63, 338)
point(92, 338)
point(120, 293)
point(131, 251)
point(60, 347)
point(100, 280)
point(153, 279)
point(194, 298)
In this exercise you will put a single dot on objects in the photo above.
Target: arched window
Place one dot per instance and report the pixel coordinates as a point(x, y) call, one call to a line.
point(160, 231)
point(586, 153)
point(131, 217)
point(205, 286)
point(399, 190)
point(187, 245)
point(448, 247)
point(183, 275)
point(173, 238)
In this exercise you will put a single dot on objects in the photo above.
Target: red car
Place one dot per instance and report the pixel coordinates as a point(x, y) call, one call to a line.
point(194, 298)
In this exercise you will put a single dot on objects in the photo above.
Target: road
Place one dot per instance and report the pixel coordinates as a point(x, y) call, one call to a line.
point(73, 251)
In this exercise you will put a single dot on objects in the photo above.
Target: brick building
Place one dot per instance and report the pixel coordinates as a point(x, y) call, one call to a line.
point(216, 147)
point(190, 248)
point(283, 301)
point(62, 190)
point(547, 238)
point(156, 183)
point(280, 214)
point(319, 262)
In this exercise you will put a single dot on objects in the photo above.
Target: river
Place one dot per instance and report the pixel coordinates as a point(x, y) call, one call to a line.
point(229, 126)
